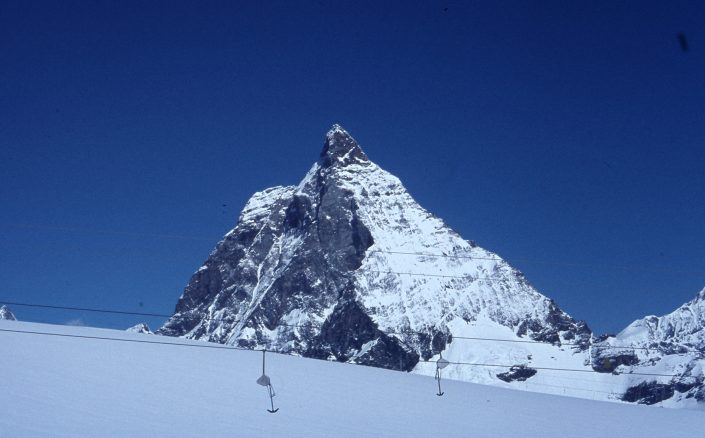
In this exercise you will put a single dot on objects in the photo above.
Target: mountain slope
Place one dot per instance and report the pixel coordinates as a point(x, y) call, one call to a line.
point(82, 387)
point(329, 257)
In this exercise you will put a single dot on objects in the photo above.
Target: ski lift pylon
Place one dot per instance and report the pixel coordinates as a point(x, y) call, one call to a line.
point(264, 380)
point(440, 364)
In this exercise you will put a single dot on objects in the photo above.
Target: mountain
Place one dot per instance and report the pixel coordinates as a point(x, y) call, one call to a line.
point(335, 256)
point(671, 344)
point(677, 332)
point(140, 328)
point(6, 314)
point(346, 266)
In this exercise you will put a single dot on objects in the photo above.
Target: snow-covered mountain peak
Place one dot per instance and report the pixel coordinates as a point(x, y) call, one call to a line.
point(684, 328)
point(140, 328)
point(668, 349)
point(340, 149)
point(350, 256)
point(6, 314)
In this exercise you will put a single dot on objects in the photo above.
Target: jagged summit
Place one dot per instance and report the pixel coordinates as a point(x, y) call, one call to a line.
point(341, 149)
point(6, 314)
point(140, 328)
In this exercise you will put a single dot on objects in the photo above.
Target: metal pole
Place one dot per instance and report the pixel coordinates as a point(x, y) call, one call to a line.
point(271, 399)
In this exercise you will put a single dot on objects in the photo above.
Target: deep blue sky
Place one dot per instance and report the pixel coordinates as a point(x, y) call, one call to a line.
point(566, 136)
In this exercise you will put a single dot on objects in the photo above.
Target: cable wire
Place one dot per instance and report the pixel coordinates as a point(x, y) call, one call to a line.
point(457, 256)
point(530, 260)
point(312, 324)
point(558, 369)
point(139, 341)
point(224, 347)
point(570, 344)
point(110, 232)
point(85, 309)
point(418, 274)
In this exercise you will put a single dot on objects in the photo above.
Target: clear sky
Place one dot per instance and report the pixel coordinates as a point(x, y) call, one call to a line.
point(568, 137)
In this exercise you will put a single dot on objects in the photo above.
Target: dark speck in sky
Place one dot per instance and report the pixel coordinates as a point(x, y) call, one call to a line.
point(683, 41)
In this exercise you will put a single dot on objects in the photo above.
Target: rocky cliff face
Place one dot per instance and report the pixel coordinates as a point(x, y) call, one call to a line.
point(346, 266)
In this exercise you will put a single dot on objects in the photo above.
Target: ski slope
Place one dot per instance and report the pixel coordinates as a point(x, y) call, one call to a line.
point(80, 387)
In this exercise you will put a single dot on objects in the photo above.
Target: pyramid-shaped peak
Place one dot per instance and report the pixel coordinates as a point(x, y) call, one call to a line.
point(341, 149)
point(336, 128)
point(140, 328)
point(6, 314)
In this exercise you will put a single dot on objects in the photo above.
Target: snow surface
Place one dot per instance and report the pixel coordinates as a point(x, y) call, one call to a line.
point(80, 387)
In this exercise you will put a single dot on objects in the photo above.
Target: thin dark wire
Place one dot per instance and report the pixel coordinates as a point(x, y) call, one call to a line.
point(125, 312)
point(437, 255)
point(86, 309)
point(527, 382)
point(204, 238)
point(529, 260)
point(103, 338)
point(222, 347)
point(121, 312)
point(570, 344)
point(465, 277)
point(559, 369)
point(111, 232)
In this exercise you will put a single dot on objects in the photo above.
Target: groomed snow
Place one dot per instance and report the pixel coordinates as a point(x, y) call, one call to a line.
point(77, 387)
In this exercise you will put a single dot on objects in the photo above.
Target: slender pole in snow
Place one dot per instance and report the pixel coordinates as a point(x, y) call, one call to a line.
point(264, 380)
point(438, 377)
point(440, 364)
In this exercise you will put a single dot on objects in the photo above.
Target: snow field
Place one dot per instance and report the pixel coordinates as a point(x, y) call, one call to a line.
point(74, 387)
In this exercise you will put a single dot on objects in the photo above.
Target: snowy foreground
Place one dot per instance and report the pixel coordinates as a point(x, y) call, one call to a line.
point(76, 387)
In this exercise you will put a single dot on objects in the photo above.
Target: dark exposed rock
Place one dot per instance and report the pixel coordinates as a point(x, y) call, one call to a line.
point(685, 385)
point(699, 395)
point(311, 277)
point(607, 361)
point(350, 335)
point(340, 149)
point(517, 373)
point(556, 328)
point(649, 393)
